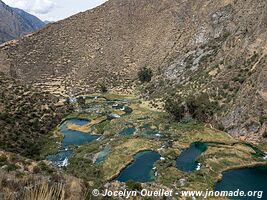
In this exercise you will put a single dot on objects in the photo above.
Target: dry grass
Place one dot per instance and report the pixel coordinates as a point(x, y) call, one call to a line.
point(45, 192)
point(35, 187)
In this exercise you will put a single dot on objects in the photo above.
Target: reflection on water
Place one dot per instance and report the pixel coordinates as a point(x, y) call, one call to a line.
point(71, 138)
point(249, 179)
point(187, 160)
point(141, 170)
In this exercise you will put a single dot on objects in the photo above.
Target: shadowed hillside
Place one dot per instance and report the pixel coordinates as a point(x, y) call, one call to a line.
point(15, 22)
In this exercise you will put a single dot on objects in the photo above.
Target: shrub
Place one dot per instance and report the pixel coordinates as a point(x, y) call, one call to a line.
point(175, 108)
point(220, 126)
point(225, 86)
point(3, 116)
point(145, 74)
point(132, 185)
point(239, 79)
point(3, 160)
point(262, 118)
point(103, 88)
point(81, 101)
point(201, 108)
point(45, 168)
point(11, 167)
point(67, 101)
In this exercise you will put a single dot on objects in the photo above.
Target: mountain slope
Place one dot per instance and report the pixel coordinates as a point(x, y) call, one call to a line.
point(34, 22)
point(15, 22)
point(217, 47)
point(26, 117)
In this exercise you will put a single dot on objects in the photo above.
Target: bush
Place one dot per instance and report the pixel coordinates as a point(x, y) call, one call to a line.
point(225, 86)
point(103, 88)
point(3, 161)
point(199, 107)
point(45, 168)
point(239, 79)
point(81, 101)
point(175, 108)
point(145, 74)
point(3, 116)
point(132, 185)
point(220, 126)
point(264, 134)
point(11, 167)
point(262, 119)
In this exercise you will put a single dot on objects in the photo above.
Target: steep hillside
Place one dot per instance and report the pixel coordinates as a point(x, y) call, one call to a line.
point(34, 22)
point(26, 117)
point(15, 22)
point(217, 47)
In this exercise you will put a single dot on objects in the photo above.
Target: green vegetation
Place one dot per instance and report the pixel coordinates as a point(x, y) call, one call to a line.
point(3, 161)
point(198, 107)
point(44, 168)
point(132, 185)
point(103, 88)
point(262, 118)
point(220, 126)
point(123, 154)
point(85, 169)
point(175, 107)
point(145, 74)
point(223, 153)
point(27, 117)
point(187, 127)
point(239, 79)
point(81, 101)
point(100, 128)
point(201, 108)
point(251, 60)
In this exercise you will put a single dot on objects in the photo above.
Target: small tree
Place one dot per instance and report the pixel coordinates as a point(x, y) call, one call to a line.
point(132, 185)
point(103, 88)
point(175, 107)
point(145, 74)
point(81, 101)
point(67, 101)
point(200, 107)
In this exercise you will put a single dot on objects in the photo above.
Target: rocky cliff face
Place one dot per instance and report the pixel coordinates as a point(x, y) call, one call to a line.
point(218, 47)
point(15, 22)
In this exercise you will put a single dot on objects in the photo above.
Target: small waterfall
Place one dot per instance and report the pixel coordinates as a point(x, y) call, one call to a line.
point(64, 163)
point(198, 167)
